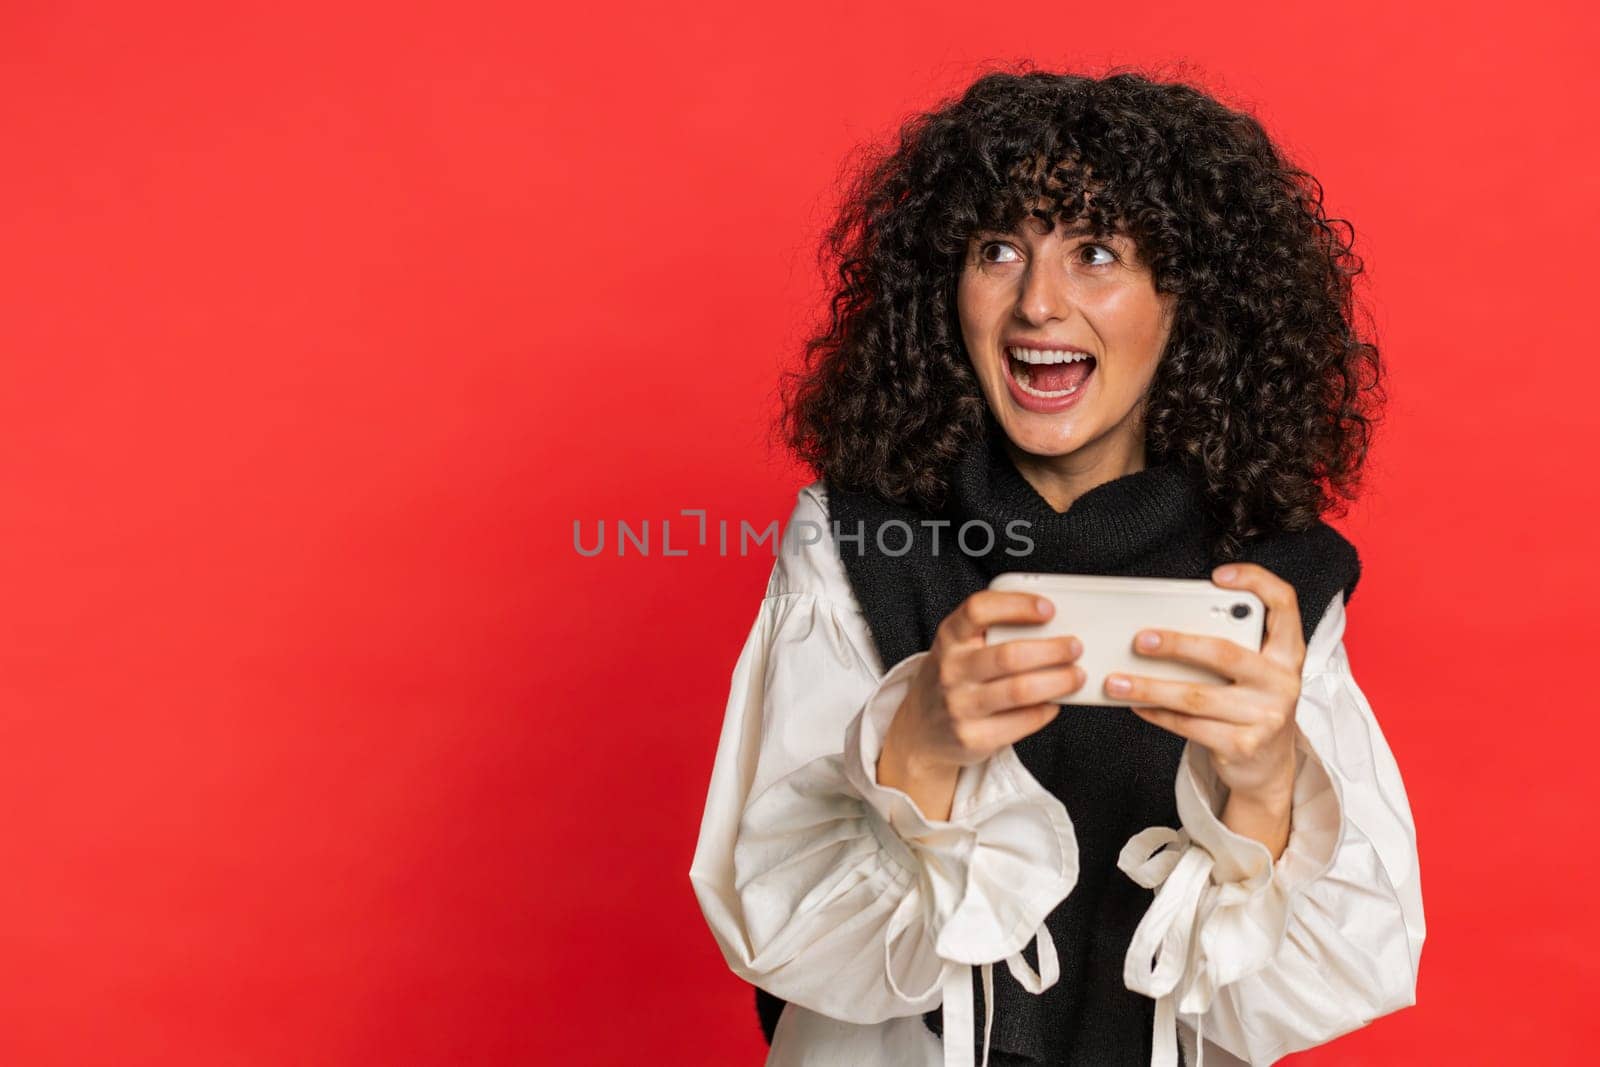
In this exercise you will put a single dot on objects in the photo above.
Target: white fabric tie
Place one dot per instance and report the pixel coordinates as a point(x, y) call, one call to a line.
point(958, 1021)
point(1165, 929)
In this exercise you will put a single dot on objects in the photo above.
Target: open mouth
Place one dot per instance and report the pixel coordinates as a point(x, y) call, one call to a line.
point(1049, 374)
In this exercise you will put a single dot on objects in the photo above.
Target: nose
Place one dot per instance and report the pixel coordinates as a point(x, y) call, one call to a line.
point(1044, 295)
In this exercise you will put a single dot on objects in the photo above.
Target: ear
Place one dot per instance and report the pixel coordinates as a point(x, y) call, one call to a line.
point(1169, 310)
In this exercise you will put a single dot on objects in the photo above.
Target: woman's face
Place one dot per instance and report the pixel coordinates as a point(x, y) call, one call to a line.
point(1050, 293)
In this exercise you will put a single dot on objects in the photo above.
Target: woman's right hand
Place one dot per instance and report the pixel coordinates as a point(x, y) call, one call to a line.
point(969, 699)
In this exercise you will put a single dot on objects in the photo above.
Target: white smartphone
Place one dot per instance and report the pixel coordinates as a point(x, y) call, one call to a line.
point(1105, 612)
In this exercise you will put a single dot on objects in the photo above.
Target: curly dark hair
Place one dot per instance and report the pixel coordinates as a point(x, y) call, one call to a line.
point(1264, 388)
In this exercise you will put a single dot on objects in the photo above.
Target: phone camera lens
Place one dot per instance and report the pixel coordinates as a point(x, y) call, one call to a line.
point(1241, 611)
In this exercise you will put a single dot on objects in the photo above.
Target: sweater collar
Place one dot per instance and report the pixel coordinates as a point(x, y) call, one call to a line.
point(1105, 529)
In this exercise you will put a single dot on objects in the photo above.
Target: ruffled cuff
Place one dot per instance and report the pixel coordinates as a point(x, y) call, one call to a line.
point(997, 867)
point(1221, 888)
point(1245, 907)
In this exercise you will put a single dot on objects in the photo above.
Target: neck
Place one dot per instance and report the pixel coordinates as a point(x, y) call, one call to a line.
point(1063, 479)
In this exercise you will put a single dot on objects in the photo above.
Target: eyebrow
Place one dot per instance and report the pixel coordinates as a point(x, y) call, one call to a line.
point(1079, 228)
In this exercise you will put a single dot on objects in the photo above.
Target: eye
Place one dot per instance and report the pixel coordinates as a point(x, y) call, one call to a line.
point(1111, 256)
point(983, 250)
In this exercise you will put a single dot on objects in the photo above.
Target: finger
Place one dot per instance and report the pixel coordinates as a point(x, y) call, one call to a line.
point(1016, 691)
point(1012, 657)
point(1212, 733)
point(1008, 727)
point(1284, 643)
point(1217, 654)
point(987, 607)
point(1202, 699)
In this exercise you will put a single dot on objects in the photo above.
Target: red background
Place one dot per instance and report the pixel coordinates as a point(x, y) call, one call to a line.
point(322, 323)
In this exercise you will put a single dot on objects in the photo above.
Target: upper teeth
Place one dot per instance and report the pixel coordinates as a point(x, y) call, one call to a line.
point(1045, 355)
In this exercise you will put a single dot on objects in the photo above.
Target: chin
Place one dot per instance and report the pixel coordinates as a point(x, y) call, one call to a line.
point(1040, 435)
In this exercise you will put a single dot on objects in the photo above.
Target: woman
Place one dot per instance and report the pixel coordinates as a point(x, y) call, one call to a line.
point(1108, 310)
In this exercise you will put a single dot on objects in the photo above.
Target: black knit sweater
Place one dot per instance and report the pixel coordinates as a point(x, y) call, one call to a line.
point(1113, 771)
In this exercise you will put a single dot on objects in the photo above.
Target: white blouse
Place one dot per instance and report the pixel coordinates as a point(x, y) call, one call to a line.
point(838, 895)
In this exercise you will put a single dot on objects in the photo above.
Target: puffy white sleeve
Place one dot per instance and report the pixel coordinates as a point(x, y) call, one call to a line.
point(826, 888)
point(1263, 958)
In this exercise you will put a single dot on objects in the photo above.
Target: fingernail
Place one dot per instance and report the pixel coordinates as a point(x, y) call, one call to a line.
point(1045, 606)
point(1146, 639)
point(1227, 574)
point(1118, 684)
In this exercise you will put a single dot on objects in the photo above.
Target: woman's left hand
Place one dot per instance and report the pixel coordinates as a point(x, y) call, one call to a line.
point(1248, 725)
